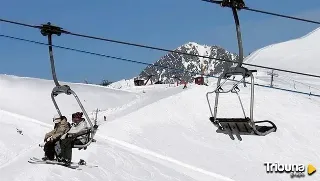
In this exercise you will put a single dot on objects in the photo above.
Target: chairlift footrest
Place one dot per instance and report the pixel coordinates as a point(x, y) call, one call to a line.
point(264, 130)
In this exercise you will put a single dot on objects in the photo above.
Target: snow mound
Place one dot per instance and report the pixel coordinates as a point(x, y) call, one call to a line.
point(31, 97)
point(297, 55)
point(123, 84)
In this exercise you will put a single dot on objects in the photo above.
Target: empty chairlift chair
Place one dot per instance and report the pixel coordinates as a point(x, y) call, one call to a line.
point(238, 126)
point(245, 125)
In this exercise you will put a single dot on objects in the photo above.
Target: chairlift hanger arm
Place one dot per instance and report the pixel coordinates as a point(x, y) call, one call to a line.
point(237, 22)
point(234, 5)
point(49, 30)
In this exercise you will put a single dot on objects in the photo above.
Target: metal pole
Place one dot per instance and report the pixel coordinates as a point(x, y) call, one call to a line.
point(272, 79)
point(53, 70)
point(55, 104)
point(252, 98)
point(236, 19)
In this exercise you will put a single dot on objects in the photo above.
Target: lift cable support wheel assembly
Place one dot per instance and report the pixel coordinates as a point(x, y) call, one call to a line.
point(237, 126)
point(49, 30)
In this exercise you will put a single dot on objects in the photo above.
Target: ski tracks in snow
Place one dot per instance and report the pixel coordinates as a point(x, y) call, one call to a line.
point(158, 157)
point(187, 169)
point(24, 151)
point(17, 156)
point(114, 112)
point(141, 101)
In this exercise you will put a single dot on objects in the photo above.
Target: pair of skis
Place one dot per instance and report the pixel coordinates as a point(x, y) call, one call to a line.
point(72, 165)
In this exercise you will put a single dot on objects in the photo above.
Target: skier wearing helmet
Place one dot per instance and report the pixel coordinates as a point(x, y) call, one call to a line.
point(61, 126)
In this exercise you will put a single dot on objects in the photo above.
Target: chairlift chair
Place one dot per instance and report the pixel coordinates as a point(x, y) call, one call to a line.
point(49, 30)
point(237, 126)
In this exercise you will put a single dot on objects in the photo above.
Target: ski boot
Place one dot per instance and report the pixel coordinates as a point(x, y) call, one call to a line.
point(45, 158)
point(82, 162)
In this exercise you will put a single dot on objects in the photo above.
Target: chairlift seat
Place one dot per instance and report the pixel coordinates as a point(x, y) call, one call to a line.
point(86, 133)
point(243, 126)
point(234, 125)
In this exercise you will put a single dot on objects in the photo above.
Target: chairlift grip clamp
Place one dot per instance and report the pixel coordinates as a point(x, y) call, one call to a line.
point(237, 4)
point(48, 30)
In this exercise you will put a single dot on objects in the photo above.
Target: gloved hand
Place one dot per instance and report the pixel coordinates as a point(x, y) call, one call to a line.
point(70, 135)
point(49, 139)
point(45, 138)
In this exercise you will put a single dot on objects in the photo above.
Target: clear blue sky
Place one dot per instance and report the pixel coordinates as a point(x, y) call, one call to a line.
point(165, 23)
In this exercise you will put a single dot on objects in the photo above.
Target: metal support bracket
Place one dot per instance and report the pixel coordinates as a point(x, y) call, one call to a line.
point(62, 89)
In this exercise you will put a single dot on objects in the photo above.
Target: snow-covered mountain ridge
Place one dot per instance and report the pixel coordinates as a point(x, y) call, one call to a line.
point(190, 63)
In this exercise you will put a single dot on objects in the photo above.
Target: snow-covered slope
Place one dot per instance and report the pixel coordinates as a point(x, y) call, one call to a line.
point(157, 133)
point(122, 84)
point(114, 162)
point(183, 132)
point(300, 55)
point(26, 106)
point(31, 97)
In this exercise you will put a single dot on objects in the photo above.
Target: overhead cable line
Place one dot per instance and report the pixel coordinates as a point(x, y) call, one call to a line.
point(18, 23)
point(266, 12)
point(139, 62)
point(283, 16)
point(156, 48)
point(97, 54)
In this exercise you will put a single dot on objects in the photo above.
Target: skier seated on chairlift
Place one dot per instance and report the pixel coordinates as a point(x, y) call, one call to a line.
point(61, 126)
point(78, 127)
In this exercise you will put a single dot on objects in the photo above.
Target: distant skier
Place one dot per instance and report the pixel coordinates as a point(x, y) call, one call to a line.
point(61, 127)
point(185, 84)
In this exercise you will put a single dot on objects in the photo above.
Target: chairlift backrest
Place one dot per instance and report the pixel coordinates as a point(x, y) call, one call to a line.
point(81, 129)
